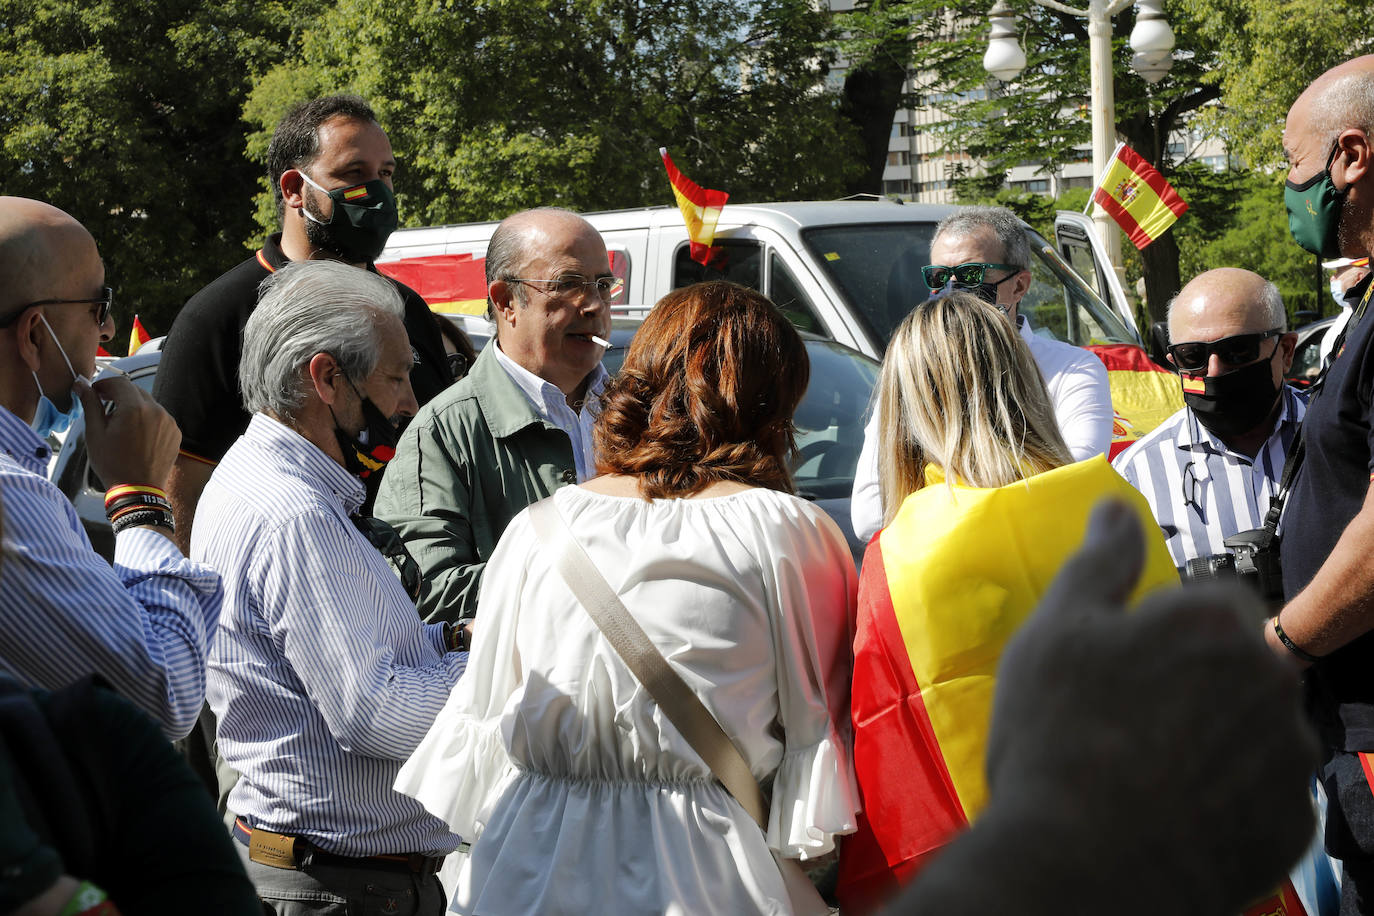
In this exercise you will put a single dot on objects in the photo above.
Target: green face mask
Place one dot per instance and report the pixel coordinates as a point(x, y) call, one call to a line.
point(1314, 211)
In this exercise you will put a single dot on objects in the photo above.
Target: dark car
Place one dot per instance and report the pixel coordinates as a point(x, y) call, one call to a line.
point(1307, 363)
point(829, 420)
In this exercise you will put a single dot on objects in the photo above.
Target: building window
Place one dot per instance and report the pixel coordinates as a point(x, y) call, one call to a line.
point(901, 188)
point(898, 157)
point(900, 129)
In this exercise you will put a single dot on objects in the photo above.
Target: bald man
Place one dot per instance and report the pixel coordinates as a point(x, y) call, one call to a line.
point(518, 426)
point(1210, 470)
point(1328, 524)
point(64, 613)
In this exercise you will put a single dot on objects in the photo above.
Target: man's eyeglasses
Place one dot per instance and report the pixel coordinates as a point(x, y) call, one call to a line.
point(1237, 350)
point(105, 301)
point(568, 284)
point(966, 275)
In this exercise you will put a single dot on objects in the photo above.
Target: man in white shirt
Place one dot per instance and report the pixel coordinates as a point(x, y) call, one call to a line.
point(519, 425)
point(992, 238)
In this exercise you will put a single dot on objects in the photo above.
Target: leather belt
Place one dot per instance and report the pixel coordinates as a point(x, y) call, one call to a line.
point(282, 850)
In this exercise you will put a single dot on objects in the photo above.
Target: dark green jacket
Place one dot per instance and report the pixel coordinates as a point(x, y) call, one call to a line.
point(465, 466)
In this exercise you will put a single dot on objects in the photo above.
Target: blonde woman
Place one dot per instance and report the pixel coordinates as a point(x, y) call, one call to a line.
point(982, 504)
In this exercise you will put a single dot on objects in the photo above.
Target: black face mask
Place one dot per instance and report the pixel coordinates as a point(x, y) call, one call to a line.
point(363, 459)
point(363, 218)
point(1235, 402)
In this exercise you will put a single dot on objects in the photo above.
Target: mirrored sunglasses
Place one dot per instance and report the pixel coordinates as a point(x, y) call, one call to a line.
point(964, 275)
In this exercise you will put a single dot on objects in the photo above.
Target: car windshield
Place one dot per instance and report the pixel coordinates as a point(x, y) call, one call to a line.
point(829, 419)
point(877, 268)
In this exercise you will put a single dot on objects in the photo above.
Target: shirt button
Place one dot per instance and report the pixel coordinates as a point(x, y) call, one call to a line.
point(568, 476)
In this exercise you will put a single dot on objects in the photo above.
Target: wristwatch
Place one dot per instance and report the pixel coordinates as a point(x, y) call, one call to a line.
point(458, 636)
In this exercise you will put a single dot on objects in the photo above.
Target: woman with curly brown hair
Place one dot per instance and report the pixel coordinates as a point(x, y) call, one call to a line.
point(578, 793)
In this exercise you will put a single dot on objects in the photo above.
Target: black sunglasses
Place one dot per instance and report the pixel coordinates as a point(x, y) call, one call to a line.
point(105, 301)
point(1237, 350)
point(382, 536)
point(965, 275)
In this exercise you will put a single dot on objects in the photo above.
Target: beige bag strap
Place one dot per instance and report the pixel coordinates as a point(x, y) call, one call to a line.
point(682, 707)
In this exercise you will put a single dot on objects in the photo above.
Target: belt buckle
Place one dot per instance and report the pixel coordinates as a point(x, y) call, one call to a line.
point(274, 849)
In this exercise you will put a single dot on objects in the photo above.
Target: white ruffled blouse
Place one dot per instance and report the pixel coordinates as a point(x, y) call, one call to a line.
point(577, 793)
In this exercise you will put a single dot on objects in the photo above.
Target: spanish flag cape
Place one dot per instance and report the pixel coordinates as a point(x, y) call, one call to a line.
point(942, 590)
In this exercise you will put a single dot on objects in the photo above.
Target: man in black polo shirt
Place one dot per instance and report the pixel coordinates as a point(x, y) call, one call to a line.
point(1327, 624)
point(330, 166)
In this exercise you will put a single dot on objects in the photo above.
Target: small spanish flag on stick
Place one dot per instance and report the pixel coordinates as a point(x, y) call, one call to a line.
point(138, 335)
point(700, 209)
point(1134, 194)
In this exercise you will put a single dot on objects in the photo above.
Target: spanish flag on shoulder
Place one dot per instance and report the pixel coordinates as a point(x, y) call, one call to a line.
point(1134, 194)
point(943, 588)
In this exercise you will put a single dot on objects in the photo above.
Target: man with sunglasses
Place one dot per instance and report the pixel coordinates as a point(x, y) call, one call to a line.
point(322, 677)
point(1210, 470)
point(519, 426)
point(984, 250)
point(144, 624)
point(1328, 522)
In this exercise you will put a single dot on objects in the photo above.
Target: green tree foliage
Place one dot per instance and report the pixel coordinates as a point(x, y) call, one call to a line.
point(1267, 51)
point(127, 115)
point(504, 104)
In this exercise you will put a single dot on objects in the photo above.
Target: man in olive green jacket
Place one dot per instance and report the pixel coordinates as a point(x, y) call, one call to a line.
point(518, 426)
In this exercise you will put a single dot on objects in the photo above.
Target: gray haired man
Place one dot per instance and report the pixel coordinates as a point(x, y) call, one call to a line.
point(993, 240)
point(322, 675)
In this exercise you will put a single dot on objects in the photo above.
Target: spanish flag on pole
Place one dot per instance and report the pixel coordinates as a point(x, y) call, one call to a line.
point(1134, 194)
point(700, 209)
point(138, 335)
point(943, 588)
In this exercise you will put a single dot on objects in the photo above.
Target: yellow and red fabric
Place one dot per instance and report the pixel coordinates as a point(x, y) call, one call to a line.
point(700, 210)
point(1144, 394)
point(943, 589)
point(138, 335)
point(1134, 194)
point(456, 284)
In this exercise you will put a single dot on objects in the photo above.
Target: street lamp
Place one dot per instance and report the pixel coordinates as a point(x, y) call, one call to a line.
point(1151, 39)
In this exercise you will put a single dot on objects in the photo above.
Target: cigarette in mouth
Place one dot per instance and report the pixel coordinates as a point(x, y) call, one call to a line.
point(597, 340)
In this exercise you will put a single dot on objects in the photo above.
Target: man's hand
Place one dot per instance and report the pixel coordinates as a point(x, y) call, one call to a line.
point(136, 442)
point(1169, 741)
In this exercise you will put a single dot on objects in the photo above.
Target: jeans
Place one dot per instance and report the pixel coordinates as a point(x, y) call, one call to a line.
point(332, 890)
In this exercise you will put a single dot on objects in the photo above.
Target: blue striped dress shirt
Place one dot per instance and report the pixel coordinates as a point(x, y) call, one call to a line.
point(144, 625)
point(1201, 492)
point(322, 674)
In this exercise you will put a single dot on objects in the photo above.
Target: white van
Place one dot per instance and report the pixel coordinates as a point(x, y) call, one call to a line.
point(848, 270)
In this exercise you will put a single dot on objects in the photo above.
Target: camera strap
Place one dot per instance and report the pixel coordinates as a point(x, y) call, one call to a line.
point(1299, 448)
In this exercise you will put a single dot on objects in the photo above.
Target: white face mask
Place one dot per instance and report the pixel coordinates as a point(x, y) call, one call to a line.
point(1338, 294)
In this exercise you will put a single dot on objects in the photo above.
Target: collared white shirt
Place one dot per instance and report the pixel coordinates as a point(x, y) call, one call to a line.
point(1200, 491)
point(144, 625)
point(552, 404)
point(322, 675)
point(1079, 393)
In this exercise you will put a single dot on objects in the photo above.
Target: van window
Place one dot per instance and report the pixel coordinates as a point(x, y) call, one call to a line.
point(742, 264)
point(787, 295)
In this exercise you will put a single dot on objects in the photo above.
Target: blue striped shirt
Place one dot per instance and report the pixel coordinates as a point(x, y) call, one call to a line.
point(322, 675)
point(1201, 492)
point(64, 613)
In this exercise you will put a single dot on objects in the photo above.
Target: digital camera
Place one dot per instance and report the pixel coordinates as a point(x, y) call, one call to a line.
point(1252, 557)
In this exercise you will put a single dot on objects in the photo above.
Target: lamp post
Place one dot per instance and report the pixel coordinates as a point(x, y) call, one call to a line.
point(1151, 39)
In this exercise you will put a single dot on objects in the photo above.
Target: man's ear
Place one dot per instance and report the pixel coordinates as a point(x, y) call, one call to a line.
point(326, 376)
point(29, 332)
point(1288, 343)
point(1021, 285)
point(501, 295)
point(292, 187)
point(1354, 155)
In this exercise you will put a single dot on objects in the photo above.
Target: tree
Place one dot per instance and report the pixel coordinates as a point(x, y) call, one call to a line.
point(507, 104)
point(127, 115)
point(1212, 86)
